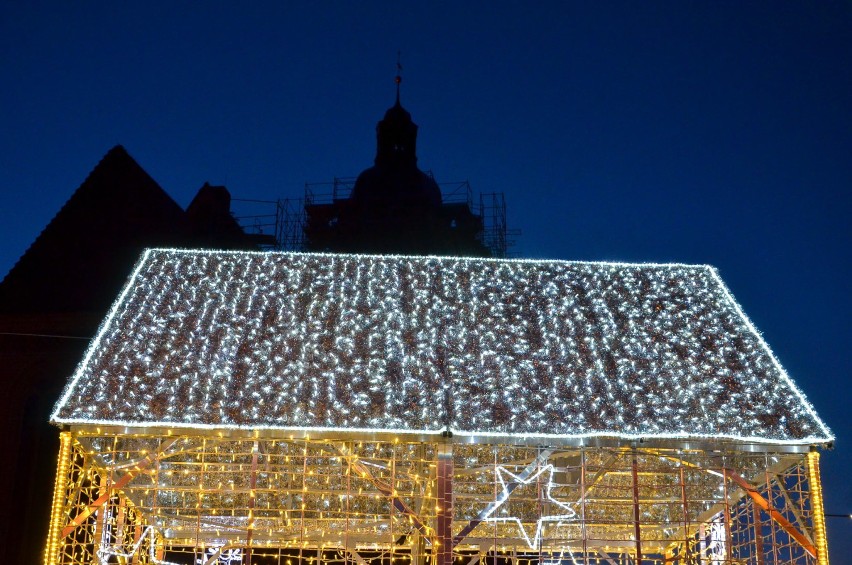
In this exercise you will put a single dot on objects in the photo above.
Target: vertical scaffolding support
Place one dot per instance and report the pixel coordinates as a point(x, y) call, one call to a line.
point(104, 493)
point(758, 535)
point(815, 484)
point(492, 207)
point(727, 516)
point(685, 508)
point(255, 451)
point(583, 529)
point(773, 536)
point(444, 513)
point(348, 508)
point(51, 553)
point(120, 517)
point(637, 531)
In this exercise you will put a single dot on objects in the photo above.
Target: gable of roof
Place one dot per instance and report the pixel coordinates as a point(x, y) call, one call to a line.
point(483, 347)
point(94, 240)
point(96, 237)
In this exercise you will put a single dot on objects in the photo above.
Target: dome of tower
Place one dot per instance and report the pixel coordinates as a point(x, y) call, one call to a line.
point(396, 187)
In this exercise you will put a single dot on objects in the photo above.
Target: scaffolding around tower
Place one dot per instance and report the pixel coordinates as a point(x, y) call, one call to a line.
point(293, 224)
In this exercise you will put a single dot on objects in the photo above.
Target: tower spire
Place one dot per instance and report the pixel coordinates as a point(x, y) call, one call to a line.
point(398, 79)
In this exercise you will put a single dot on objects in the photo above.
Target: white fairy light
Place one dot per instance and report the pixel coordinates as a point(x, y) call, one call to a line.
point(492, 348)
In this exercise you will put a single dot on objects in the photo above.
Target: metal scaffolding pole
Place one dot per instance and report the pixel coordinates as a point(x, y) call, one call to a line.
point(636, 514)
point(444, 513)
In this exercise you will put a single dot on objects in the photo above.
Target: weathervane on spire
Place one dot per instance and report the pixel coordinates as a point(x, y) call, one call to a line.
point(398, 79)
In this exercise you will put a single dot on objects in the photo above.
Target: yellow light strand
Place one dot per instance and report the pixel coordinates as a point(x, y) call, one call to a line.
point(815, 483)
point(51, 555)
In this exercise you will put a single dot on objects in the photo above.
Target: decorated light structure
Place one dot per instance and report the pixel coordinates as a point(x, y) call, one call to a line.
point(315, 408)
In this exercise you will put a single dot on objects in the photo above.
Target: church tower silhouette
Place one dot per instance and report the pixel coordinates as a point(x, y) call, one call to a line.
point(394, 207)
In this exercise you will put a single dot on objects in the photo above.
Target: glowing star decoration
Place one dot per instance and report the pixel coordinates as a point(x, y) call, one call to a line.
point(567, 514)
point(391, 344)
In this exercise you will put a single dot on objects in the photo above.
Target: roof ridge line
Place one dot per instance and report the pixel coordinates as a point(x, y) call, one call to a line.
point(113, 150)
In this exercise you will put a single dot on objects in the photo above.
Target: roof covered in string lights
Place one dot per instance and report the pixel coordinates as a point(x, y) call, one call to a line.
point(482, 347)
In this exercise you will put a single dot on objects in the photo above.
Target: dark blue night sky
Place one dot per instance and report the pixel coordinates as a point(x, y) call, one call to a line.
point(715, 132)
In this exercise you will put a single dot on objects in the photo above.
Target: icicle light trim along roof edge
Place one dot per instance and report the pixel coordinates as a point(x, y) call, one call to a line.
point(84, 400)
point(461, 436)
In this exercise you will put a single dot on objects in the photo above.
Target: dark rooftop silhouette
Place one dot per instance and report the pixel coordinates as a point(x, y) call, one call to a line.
point(53, 299)
point(96, 237)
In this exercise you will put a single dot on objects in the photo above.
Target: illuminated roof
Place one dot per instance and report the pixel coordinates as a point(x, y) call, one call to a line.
point(485, 347)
